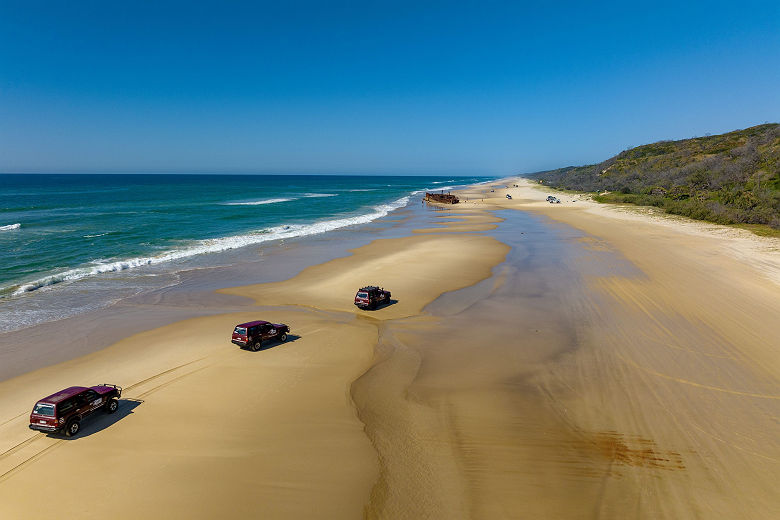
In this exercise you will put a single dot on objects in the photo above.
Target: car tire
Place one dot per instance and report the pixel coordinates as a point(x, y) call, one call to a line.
point(73, 427)
point(112, 405)
point(283, 337)
point(255, 346)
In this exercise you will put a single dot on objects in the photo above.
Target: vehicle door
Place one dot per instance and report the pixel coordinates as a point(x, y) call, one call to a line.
point(265, 330)
point(65, 409)
point(44, 414)
point(89, 401)
point(272, 331)
point(251, 335)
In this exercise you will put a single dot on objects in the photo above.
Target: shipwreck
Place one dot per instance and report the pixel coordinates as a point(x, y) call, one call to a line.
point(443, 198)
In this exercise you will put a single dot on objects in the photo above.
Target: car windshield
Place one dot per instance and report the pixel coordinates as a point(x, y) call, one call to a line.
point(362, 295)
point(240, 330)
point(44, 409)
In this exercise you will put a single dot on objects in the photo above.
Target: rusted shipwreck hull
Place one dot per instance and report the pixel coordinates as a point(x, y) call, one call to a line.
point(444, 198)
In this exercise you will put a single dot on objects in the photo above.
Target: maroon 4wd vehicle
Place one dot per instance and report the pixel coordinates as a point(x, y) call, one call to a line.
point(371, 296)
point(64, 411)
point(253, 333)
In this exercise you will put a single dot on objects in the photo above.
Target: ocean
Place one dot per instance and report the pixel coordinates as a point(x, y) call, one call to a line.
point(86, 241)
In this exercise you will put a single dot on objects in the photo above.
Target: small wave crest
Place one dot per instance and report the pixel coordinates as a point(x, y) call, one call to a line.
point(10, 227)
point(211, 246)
point(95, 236)
point(317, 195)
point(437, 188)
point(256, 202)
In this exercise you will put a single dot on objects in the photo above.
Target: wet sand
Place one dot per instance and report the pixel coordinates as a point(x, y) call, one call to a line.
point(555, 362)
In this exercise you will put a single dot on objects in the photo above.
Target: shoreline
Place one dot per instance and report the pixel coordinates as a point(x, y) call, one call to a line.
point(208, 225)
point(193, 295)
point(583, 361)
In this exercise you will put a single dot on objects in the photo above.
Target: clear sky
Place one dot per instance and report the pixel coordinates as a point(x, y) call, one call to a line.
point(373, 87)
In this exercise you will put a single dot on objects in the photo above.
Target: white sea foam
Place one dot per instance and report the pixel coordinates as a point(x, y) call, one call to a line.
point(257, 202)
point(212, 246)
point(437, 188)
point(364, 189)
point(316, 195)
point(95, 236)
point(10, 227)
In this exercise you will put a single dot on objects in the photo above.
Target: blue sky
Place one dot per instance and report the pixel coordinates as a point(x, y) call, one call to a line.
point(370, 87)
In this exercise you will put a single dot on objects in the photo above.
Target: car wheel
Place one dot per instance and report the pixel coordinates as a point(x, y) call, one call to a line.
point(255, 346)
point(72, 428)
point(112, 405)
point(283, 337)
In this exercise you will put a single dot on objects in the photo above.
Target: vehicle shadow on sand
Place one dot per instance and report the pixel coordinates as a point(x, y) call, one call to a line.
point(273, 343)
point(390, 303)
point(100, 420)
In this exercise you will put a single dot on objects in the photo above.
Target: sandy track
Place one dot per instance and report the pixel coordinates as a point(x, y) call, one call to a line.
point(230, 428)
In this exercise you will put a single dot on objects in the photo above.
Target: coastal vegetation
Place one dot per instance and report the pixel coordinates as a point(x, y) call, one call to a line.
point(732, 178)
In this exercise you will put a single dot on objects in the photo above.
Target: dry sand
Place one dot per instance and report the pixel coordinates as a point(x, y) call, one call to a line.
point(548, 387)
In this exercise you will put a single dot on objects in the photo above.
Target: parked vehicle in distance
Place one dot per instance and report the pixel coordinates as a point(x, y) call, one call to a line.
point(553, 200)
point(64, 411)
point(371, 296)
point(509, 196)
point(252, 333)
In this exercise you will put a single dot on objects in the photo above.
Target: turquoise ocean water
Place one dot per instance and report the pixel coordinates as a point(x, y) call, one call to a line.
point(103, 233)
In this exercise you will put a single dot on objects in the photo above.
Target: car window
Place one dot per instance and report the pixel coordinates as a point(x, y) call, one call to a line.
point(363, 295)
point(65, 407)
point(44, 409)
point(88, 396)
point(240, 330)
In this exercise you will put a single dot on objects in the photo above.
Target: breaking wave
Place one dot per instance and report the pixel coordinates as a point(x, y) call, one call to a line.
point(316, 195)
point(257, 202)
point(437, 188)
point(210, 246)
point(10, 227)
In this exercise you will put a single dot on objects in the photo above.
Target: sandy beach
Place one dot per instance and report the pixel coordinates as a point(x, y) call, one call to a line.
point(539, 361)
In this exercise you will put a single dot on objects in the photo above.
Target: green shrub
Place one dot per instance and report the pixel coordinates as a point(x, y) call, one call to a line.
point(734, 177)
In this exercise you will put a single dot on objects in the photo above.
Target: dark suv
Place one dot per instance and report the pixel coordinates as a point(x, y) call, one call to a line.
point(371, 296)
point(64, 411)
point(253, 333)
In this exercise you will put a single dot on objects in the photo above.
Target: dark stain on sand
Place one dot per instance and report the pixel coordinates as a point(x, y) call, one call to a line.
point(631, 450)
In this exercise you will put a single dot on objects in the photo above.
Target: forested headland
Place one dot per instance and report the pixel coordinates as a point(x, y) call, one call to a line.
point(732, 178)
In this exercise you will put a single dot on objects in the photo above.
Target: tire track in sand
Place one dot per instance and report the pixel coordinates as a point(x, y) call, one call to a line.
point(7, 471)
